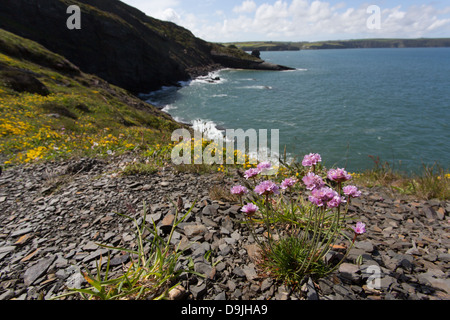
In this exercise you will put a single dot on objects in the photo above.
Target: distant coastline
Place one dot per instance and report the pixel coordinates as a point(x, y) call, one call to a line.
point(342, 44)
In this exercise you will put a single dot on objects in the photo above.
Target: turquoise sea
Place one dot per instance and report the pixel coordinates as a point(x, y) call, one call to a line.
point(343, 104)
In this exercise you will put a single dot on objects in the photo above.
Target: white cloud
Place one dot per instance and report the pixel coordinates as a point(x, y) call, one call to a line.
point(300, 20)
point(319, 20)
point(154, 8)
point(246, 7)
point(170, 14)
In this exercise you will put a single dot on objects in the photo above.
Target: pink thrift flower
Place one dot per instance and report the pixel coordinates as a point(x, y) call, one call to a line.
point(264, 167)
point(250, 173)
point(239, 190)
point(313, 181)
point(323, 195)
point(288, 183)
point(335, 202)
point(360, 228)
point(352, 191)
point(311, 159)
point(339, 175)
point(250, 209)
point(318, 202)
point(266, 188)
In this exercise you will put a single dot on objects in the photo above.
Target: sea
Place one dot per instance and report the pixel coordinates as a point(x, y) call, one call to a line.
point(354, 107)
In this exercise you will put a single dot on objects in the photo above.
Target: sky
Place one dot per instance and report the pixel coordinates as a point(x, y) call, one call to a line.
point(302, 20)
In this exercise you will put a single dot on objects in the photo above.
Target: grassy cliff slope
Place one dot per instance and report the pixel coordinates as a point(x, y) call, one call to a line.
point(50, 110)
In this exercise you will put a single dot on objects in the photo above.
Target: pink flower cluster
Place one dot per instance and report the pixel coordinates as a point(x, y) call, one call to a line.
point(288, 183)
point(250, 173)
point(311, 159)
point(261, 168)
point(313, 181)
point(325, 196)
point(339, 175)
point(250, 209)
point(239, 190)
point(352, 191)
point(267, 188)
point(360, 228)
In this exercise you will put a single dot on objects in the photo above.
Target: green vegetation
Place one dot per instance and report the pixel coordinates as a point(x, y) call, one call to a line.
point(342, 44)
point(433, 182)
point(150, 275)
point(49, 110)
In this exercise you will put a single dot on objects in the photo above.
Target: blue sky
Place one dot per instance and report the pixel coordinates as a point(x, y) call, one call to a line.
point(302, 20)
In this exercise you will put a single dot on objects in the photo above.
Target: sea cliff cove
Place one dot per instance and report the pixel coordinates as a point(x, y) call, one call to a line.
point(157, 152)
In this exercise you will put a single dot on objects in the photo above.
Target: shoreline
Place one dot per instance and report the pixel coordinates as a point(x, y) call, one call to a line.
point(208, 75)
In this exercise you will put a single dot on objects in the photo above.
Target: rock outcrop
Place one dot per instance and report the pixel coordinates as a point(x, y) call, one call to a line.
point(119, 43)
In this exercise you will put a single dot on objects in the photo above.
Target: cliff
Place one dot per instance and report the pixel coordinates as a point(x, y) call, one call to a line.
point(50, 109)
point(119, 43)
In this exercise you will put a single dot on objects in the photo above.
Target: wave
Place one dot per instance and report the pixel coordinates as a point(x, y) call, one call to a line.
point(294, 70)
point(209, 129)
point(211, 78)
point(169, 107)
point(181, 120)
point(258, 87)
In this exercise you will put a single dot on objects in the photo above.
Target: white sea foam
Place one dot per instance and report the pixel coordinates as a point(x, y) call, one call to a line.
point(169, 107)
point(258, 87)
point(209, 129)
point(211, 78)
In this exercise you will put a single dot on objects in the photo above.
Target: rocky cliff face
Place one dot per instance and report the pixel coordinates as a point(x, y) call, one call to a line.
point(117, 42)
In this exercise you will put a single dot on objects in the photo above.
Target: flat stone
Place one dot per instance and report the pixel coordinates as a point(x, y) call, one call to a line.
point(386, 282)
point(198, 291)
point(34, 272)
point(254, 252)
point(75, 281)
point(266, 284)
point(195, 230)
point(224, 249)
point(119, 260)
point(250, 273)
point(95, 255)
point(21, 232)
point(404, 260)
point(168, 221)
point(203, 268)
point(429, 279)
point(367, 246)
point(239, 272)
point(91, 246)
point(23, 239)
point(210, 210)
point(177, 293)
point(444, 257)
point(7, 249)
point(440, 213)
point(311, 293)
point(350, 272)
point(221, 296)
